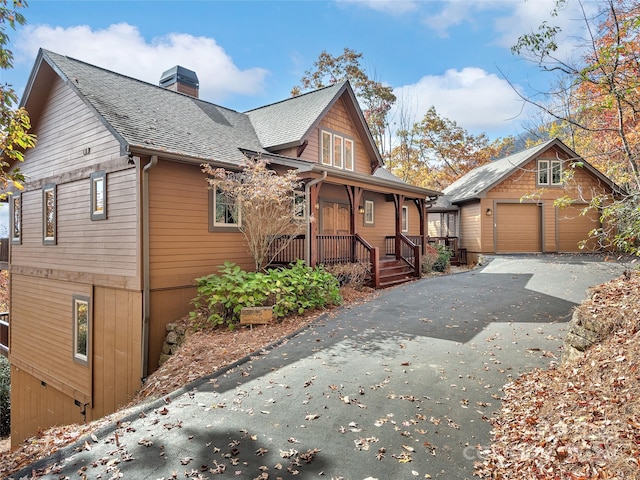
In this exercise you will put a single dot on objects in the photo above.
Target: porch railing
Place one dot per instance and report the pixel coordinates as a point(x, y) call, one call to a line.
point(332, 250)
point(284, 254)
point(4, 333)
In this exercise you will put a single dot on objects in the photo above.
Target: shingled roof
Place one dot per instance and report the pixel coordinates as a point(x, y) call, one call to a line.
point(476, 182)
point(148, 116)
point(286, 123)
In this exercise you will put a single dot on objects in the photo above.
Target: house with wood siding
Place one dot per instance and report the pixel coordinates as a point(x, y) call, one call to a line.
point(116, 220)
point(507, 206)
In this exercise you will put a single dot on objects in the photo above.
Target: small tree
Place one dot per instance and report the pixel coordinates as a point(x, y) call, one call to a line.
point(270, 215)
point(14, 123)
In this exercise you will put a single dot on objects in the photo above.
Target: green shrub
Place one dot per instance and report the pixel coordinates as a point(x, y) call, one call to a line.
point(222, 296)
point(350, 274)
point(5, 397)
point(443, 262)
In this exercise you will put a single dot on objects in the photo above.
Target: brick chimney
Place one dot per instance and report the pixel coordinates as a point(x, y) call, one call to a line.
point(180, 79)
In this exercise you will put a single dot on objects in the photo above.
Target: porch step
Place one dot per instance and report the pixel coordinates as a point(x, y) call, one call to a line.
point(394, 272)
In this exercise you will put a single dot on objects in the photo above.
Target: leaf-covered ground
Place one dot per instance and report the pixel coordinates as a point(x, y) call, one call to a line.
point(203, 353)
point(581, 420)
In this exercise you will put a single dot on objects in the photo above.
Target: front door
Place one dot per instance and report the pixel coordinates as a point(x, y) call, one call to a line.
point(335, 218)
point(335, 244)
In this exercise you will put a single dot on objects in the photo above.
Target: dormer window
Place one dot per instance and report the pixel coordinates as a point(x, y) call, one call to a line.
point(549, 172)
point(336, 150)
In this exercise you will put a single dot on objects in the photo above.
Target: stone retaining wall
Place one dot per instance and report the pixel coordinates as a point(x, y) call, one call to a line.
point(175, 337)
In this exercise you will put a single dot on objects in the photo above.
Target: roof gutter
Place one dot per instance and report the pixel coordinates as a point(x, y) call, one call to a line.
point(146, 294)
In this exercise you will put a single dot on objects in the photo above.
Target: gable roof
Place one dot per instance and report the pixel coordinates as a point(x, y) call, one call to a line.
point(476, 183)
point(289, 122)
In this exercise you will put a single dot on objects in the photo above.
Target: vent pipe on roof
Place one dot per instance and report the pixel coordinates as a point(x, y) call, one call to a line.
point(180, 79)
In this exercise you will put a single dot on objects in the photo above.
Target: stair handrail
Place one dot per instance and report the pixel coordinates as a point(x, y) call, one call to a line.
point(415, 264)
point(374, 259)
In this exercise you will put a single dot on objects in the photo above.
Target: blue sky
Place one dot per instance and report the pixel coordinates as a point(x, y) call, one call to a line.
point(453, 54)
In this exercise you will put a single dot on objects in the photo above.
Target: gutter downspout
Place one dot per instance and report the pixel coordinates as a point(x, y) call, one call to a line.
point(307, 190)
point(145, 266)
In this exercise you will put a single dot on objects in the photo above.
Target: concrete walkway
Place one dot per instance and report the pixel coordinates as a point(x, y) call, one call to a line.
point(398, 388)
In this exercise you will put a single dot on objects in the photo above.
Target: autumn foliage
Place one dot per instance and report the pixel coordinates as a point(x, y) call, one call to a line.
point(582, 419)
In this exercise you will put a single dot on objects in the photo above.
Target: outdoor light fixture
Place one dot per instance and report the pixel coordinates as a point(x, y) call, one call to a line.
point(361, 209)
point(489, 212)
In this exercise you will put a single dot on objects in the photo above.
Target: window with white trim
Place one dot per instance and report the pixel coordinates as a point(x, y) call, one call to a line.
point(336, 150)
point(225, 210)
point(327, 157)
point(368, 212)
point(81, 318)
point(348, 154)
point(49, 214)
point(549, 172)
point(405, 219)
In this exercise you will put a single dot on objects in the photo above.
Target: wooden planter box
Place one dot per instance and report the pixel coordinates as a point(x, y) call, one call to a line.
point(256, 315)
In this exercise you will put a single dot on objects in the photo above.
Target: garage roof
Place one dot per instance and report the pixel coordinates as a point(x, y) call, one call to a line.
point(477, 182)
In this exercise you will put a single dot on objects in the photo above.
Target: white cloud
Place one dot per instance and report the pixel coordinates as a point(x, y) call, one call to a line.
point(394, 7)
point(121, 48)
point(453, 14)
point(478, 101)
point(526, 17)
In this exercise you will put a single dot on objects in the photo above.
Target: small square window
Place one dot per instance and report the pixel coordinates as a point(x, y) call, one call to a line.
point(98, 196)
point(81, 324)
point(368, 212)
point(16, 218)
point(49, 214)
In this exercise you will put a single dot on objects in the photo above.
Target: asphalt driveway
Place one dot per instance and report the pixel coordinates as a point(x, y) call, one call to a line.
point(399, 387)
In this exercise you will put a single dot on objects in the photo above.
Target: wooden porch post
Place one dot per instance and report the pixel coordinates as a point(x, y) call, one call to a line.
point(422, 212)
point(398, 200)
point(355, 198)
point(313, 226)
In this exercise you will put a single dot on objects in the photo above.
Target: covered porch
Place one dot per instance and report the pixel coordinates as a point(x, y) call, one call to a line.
point(388, 267)
point(376, 220)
